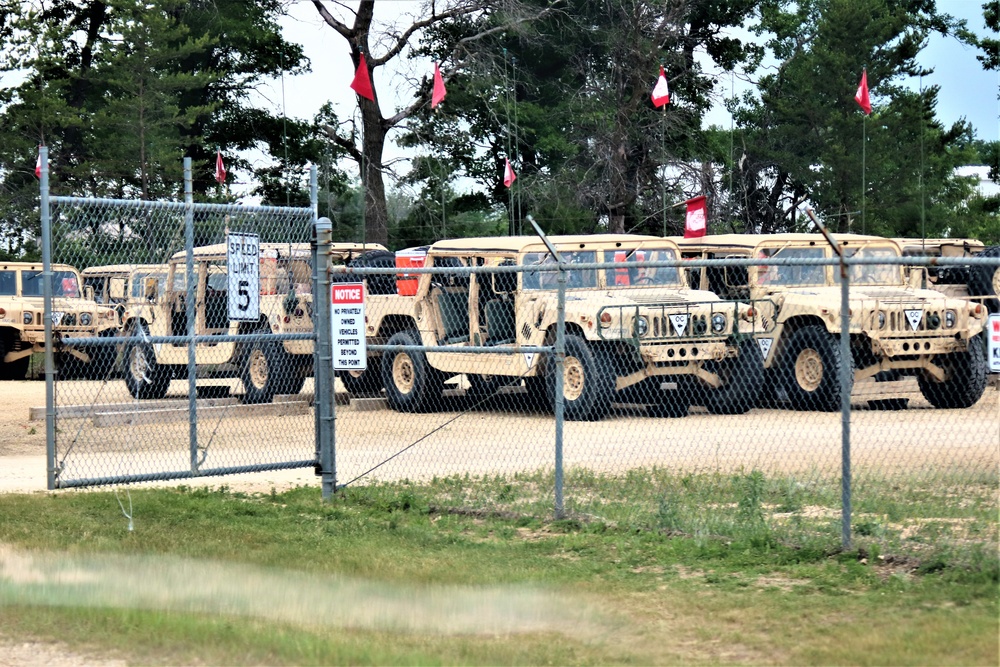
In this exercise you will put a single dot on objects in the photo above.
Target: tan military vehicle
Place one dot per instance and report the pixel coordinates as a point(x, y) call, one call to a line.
point(978, 283)
point(897, 329)
point(265, 367)
point(22, 308)
point(631, 329)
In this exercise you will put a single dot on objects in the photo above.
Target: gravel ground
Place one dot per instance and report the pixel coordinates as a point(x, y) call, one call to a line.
point(502, 437)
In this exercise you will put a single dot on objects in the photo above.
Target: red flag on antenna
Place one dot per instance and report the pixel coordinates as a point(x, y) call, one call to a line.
point(861, 97)
point(661, 91)
point(439, 91)
point(38, 164)
point(362, 83)
point(695, 222)
point(220, 169)
point(508, 174)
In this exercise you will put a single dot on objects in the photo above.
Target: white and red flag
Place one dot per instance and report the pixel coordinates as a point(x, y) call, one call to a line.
point(661, 91)
point(38, 164)
point(220, 169)
point(362, 83)
point(861, 97)
point(696, 219)
point(439, 91)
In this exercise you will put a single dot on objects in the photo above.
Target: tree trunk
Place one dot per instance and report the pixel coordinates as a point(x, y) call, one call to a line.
point(376, 212)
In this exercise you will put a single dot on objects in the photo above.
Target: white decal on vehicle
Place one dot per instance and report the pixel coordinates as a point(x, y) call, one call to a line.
point(914, 317)
point(680, 323)
point(529, 358)
point(765, 346)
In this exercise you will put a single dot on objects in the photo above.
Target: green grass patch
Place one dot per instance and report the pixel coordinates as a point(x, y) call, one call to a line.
point(648, 568)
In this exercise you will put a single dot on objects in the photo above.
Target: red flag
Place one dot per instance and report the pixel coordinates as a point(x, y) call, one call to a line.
point(661, 92)
point(508, 174)
point(220, 169)
point(695, 222)
point(362, 83)
point(439, 91)
point(861, 97)
point(38, 164)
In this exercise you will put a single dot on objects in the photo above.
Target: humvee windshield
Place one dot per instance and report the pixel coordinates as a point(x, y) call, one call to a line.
point(633, 275)
point(64, 283)
point(8, 283)
point(575, 278)
point(791, 276)
point(874, 274)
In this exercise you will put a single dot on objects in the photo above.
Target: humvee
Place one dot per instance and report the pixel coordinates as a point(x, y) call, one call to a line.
point(978, 283)
point(631, 328)
point(22, 308)
point(265, 367)
point(897, 329)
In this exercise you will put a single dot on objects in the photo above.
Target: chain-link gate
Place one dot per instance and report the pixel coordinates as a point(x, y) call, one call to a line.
point(184, 345)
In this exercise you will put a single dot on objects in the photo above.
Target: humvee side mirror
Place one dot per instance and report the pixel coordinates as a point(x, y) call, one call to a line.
point(88, 292)
point(152, 289)
point(918, 277)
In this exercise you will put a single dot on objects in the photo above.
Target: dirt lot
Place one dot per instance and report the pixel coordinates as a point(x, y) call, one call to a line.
point(504, 437)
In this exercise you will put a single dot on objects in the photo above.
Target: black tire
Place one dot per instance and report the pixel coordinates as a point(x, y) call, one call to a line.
point(965, 378)
point(363, 383)
point(144, 378)
point(742, 380)
point(487, 385)
point(810, 365)
point(376, 284)
point(985, 280)
point(411, 385)
point(17, 370)
point(264, 371)
point(588, 381)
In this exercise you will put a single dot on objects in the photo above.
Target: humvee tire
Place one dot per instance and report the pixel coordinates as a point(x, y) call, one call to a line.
point(811, 370)
point(588, 381)
point(985, 280)
point(411, 385)
point(262, 371)
point(362, 383)
point(144, 378)
point(743, 379)
point(966, 378)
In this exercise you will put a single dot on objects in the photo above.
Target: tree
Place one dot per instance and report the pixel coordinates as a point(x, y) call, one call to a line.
point(569, 98)
point(806, 138)
point(367, 150)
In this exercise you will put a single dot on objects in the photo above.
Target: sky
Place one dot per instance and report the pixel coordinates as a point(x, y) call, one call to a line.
point(967, 91)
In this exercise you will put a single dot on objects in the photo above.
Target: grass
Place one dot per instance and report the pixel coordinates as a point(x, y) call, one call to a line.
point(651, 568)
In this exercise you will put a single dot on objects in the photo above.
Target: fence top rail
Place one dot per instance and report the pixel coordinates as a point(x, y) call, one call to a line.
point(181, 206)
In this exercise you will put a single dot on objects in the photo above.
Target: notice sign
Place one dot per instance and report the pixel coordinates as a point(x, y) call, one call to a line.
point(243, 266)
point(993, 342)
point(347, 323)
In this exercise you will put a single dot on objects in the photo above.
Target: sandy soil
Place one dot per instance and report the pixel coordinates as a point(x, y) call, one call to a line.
point(507, 436)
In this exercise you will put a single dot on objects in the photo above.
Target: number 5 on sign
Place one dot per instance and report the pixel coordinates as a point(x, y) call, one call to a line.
point(243, 266)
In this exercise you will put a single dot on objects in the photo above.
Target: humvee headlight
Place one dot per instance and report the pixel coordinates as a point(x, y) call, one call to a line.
point(28, 319)
point(881, 319)
point(641, 326)
point(950, 319)
point(718, 322)
point(933, 321)
point(86, 319)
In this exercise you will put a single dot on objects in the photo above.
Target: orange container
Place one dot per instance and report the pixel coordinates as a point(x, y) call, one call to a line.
point(411, 258)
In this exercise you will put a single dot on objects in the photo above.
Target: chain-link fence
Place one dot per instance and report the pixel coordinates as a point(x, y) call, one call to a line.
point(181, 338)
point(774, 387)
point(704, 387)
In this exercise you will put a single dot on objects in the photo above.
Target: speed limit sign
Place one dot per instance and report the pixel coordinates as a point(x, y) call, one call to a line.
point(243, 265)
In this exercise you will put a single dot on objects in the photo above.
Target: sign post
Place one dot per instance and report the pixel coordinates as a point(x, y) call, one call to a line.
point(243, 268)
point(347, 320)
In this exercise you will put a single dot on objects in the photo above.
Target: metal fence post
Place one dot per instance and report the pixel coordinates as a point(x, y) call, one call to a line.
point(323, 361)
point(50, 392)
point(845, 405)
point(560, 401)
point(191, 314)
